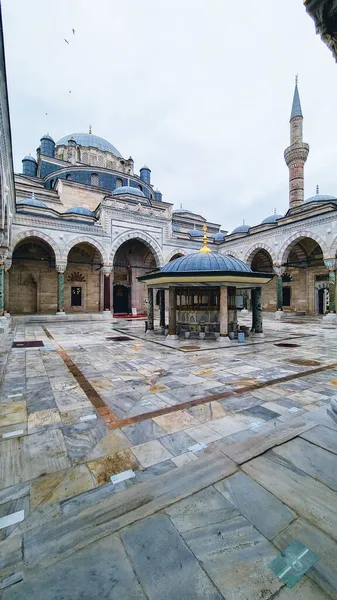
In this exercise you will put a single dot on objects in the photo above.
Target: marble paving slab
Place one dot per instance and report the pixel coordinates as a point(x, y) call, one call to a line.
point(177, 443)
point(151, 453)
point(82, 438)
point(236, 557)
point(266, 512)
point(61, 485)
point(323, 437)
point(103, 468)
point(112, 442)
point(164, 565)
point(313, 460)
point(324, 572)
point(142, 432)
point(303, 494)
point(176, 421)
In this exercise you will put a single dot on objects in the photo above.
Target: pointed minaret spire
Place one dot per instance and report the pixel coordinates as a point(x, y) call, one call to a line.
point(296, 110)
point(297, 153)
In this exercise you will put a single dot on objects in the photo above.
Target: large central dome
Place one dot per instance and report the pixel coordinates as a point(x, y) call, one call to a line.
point(89, 140)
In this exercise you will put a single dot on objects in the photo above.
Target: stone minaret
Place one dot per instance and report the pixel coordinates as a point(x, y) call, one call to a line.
point(296, 154)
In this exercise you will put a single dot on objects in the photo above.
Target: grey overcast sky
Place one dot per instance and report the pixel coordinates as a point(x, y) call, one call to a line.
point(199, 91)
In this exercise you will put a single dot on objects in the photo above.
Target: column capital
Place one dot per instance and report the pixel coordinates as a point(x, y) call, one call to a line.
point(3, 255)
point(330, 263)
point(8, 263)
point(279, 270)
point(107, 270)
point(61, 267)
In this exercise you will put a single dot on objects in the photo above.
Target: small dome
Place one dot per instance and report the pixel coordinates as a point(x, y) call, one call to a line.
point(210, 261)
point(89, 140)
point(31, 158)
point(271, 219)
point(80, 210)
point(47, 137)
point(321, 198)
point(219, 236)
point(128, 189)
point(32, 201)
point(181, 211)
point(241, 229)
point(196, 233)
point(176, 228)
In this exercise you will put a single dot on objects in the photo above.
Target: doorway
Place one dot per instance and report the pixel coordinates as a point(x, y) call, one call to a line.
point(76, 296)
point(322, 301)
point(121, 299)
point(286, 292)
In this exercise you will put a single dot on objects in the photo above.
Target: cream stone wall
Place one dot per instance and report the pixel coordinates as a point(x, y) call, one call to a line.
point(72, 194)
point(32, 288)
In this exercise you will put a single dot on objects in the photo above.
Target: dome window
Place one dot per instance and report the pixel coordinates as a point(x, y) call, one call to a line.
point(94, 179)
point(140, 187)
point(93, 159)
point(119, 183)
point(68, 177)
point(52, 183)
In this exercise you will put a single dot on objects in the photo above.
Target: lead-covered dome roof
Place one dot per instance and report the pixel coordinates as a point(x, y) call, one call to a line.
point(272, 219)
point(32, 201)
point(128, 189)
point(80, 210)
point(89, 140)
point(321, 198)
point(206, 261)
point(241, 229)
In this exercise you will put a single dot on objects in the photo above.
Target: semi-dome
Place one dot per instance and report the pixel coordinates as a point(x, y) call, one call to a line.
point(29, 157)
point(206, 261)
point(89, 140)
point(80, 210)
point(128, 189)
point(321, 198)
point(241, 229)
point(196, 232)
point(272, 219)
point(32, 201)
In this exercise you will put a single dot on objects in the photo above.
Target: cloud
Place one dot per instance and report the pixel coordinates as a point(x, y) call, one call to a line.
point(199, 91)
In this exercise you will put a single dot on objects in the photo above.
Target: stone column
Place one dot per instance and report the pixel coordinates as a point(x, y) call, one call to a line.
point(162, 309)
point(2, 288)
point(257, 311)
point(107, 289)
point(60, 268)
point(172, 330)
point(150, 327)
point(232, 311)
point(330, 263)
point(8, 264)
point(223, 312)
point(279, 291)
point(244, 310)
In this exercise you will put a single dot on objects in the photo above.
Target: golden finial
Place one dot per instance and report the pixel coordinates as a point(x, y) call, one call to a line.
point(90, 128)
point(205, 248)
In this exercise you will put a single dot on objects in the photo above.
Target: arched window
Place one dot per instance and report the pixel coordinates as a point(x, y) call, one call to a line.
point(94, 179)
point(140, 187)
point(119, 183)
point(68, 176)
point(52, 183)
point(100, 160)
point(93, 159)
point(85, 157)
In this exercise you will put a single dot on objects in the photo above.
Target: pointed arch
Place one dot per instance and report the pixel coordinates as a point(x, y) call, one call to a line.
point(141, 236)
point(85, 239)
point(231, 253)
point(34, 233)
point(297, 237)
point(253, 250)
point(180, 251)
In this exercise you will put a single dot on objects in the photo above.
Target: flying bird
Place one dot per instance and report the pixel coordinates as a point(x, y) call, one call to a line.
point(69, 91)
point(46, 113)
point(73, 31)
point(66, 41)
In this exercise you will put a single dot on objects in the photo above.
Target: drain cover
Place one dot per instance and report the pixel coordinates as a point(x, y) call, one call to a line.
point(305, 362)
point(189, 347)
point(120, 338)
point(286, 345)
point(27, 344)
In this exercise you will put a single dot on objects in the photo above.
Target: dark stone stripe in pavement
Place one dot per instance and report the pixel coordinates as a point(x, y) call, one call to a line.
point(95, 399)
point(164, 565)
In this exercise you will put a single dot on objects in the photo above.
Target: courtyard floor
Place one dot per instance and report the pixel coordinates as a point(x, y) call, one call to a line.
point(231, 450)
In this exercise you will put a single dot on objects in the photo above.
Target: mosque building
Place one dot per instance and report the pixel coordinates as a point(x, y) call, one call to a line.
point(85, 227)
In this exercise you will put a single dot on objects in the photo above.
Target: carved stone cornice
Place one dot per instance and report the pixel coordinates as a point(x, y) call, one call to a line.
point(51, 224)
